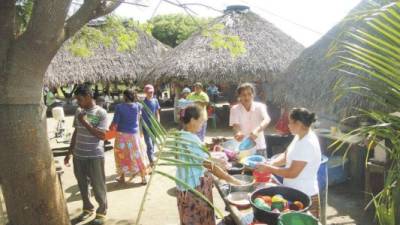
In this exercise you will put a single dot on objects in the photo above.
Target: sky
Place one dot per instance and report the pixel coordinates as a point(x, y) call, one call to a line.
point(305, 20)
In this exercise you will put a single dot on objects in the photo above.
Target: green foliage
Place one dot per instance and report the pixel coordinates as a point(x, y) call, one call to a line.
point(232, 43)
point(23, 14)
point(114, 32)
point(371, 57)
point(173, 29)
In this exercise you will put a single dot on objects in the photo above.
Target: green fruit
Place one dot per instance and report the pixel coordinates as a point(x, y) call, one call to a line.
point(259, 202)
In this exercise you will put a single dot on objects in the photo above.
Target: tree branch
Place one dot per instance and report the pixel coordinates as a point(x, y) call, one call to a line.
point(47, 21)
point(91, 9)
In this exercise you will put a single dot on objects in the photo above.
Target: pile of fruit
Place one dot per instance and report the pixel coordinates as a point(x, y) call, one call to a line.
point(277, 204)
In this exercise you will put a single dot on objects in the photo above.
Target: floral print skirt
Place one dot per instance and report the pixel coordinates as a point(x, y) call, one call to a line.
point(192, 209)
point(130, 154)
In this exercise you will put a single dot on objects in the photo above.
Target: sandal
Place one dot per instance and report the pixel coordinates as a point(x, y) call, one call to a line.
point(120, 180)
point(144, 181)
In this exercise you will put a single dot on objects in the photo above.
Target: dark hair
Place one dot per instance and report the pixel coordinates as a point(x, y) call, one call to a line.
point(243, 86)
point(130, 95)
point(192, 111)
point(303, 115)
point(84, 90)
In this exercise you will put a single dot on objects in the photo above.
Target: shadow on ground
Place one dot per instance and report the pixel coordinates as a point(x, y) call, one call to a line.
point(348, 202)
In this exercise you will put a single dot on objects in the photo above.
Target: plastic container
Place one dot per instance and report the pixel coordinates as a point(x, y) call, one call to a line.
point(288, 193)
point(253, 160)
point(295, 218)
point(58, 113)
point(337, 170)
point(261, 177)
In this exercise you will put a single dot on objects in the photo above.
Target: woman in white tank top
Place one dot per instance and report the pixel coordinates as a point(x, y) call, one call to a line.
point(299, 164)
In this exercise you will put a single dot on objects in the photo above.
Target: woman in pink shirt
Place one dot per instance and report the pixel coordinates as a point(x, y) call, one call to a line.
point(249, 118)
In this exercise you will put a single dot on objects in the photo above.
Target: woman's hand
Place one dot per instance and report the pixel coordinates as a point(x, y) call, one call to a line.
point(235, 181)
point(239, 136)
point(263, 167)
point(253, 135)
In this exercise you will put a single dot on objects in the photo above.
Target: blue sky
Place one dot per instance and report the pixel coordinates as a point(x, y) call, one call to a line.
point(304, 20)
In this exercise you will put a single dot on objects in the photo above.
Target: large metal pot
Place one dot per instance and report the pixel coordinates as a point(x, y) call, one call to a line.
point(246, 187)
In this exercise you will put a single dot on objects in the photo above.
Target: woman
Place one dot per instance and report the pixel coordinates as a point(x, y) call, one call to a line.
point(192, 209)
point(249, 118)
point(302, 158)
point(130, 157)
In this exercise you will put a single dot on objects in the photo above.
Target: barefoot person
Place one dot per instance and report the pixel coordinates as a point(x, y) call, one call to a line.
point(88, 154)
point(192, 209)
point(130, 157)
point(302, 158)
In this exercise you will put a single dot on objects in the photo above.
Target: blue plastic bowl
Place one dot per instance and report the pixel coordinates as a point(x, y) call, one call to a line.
point(253, 160)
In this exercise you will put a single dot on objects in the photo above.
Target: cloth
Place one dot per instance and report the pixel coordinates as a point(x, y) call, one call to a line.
point(315, 206)
point(153, 105)
point(202, 132)
point(212, 90)
point(126, 117)
point(307, 150)
point(282, 126)
point(130, 156)
point(193, 174)
point(87, 145)
point(50, 98)
point(192, 209)
point(250, 120)
point(182, 104)
point(91, 170)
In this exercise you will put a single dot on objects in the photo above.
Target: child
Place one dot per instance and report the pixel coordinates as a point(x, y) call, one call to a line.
point(154, 106)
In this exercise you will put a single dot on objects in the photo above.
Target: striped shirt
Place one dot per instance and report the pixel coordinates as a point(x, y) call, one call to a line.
point(86, 144)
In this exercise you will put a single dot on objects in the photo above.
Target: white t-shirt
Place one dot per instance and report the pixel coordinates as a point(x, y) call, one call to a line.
point(307, 150)
point(250, 120)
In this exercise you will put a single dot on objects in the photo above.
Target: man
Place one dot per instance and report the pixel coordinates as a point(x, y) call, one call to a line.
point(154, 106)
point(200, 98)
point(249, 118)
point(213, 92)
point(88, 154)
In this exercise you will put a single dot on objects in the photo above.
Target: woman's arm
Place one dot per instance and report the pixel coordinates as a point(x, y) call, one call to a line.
point(280, 160)
point(291, 172)
point(220, 173)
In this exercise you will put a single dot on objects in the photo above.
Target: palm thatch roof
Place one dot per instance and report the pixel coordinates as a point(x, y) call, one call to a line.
point(106, 63)
point(310, 80)
point(268, 52)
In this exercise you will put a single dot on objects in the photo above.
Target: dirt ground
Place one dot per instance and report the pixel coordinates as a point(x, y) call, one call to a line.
point(345, 201)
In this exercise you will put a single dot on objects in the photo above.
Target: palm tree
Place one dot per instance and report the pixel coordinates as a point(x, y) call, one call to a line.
point(371, 57)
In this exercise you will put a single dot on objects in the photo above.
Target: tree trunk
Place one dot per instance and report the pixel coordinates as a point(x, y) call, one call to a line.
point(32, 193)
point(31, 190)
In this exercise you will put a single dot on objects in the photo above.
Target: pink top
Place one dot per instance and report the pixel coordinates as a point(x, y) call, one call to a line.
point(250, 120)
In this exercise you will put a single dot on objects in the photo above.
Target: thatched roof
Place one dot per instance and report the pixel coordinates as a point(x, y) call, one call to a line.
point(309, 80)
point(268, 52)
point(106, 64)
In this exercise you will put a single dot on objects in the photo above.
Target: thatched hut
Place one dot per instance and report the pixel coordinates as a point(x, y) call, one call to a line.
point(268, 52)
point(310, 80)
point(106, 64)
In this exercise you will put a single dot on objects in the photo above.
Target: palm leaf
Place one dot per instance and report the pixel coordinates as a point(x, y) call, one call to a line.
point(371, 58)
